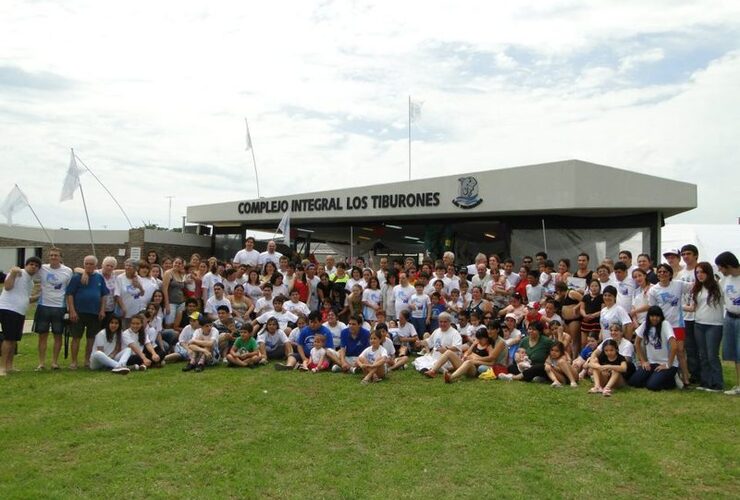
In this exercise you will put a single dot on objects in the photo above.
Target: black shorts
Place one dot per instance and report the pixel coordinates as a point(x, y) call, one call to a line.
point(49, 317)
point(12, 324)
point(89, 324)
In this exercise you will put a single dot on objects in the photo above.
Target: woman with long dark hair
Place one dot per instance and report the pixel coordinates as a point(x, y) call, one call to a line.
point(708, 318)
point(657, 351)
point(107, 353)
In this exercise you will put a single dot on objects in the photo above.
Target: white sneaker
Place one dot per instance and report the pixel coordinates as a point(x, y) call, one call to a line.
point(336, 369)
point(735, 391)
point(679, 382)
point(506, 376)
point(121, 370)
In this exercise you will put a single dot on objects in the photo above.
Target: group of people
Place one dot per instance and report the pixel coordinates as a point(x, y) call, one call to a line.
point(654, 327)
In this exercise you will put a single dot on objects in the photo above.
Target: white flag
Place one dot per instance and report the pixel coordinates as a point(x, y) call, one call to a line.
point(415, 110)
point(72, 180)
point(14, 202)
point(284, 227)
point(249, 137)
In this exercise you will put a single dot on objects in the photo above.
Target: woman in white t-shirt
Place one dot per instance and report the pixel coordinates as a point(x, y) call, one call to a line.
point(657, 351)
point(107, 353)
point(371, 299)
point(640, 301)
point(708, 309)
point(136, 338)
point(613, 313)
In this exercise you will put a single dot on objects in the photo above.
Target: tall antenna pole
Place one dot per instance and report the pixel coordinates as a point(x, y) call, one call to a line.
point(409, 137)
point(169, 211)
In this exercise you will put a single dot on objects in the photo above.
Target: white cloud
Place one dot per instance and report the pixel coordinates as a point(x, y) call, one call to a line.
point(155, 95)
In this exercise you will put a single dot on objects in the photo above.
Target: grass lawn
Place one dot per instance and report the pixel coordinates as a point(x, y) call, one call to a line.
point(248, 433)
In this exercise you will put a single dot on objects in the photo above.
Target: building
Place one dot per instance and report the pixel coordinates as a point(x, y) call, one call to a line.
point(17, 243)
point(564, 207)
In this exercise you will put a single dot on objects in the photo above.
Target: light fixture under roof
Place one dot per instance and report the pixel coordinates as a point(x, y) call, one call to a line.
point(363, 237)
point(411, 238)
point(304, 230)
point(367, 229)
point(489, 235)
point(393, 227)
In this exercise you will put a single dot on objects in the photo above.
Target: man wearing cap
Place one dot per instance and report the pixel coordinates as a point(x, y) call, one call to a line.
point(186, 335)
point(203, 346)
point(673, 257)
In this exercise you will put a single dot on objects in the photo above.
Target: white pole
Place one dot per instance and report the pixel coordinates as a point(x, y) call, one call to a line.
point(544, 236)
point(87, 216)
point(106, 190)
point(169, 211)
point(351, 244)
point(254, 160)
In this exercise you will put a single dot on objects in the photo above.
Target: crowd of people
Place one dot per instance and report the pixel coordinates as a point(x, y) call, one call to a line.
point(618, 324)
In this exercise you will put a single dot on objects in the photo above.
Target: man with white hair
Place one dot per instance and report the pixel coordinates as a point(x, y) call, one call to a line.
point(479, 259)
point(448, 258)
point(443, 339)
point(86, 294)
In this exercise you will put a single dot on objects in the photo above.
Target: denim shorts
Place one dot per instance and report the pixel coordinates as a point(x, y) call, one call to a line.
point(731, 339)
point(49, 317)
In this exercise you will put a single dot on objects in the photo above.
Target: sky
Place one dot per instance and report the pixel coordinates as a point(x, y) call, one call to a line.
point(152, 96)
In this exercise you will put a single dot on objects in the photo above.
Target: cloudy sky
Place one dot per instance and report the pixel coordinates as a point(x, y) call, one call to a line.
point(153, 95)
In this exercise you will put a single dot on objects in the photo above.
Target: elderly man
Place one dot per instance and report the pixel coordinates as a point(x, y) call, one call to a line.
point(86, 294)
point(270, 255)
point(14, 303)
point(443, 339)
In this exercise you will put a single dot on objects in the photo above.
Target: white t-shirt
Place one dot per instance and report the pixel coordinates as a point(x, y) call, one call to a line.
point(54, 285)
point(150, 285)
point(263, 305)
point(280, 290)
point(730, 286)
point(401, 295)
point(625, 294)
point(419, 305)
point(186, 335)
point(374, 297)
point(374, 355)
point(17, 299)
point(273, 341)
point(102, 341)
point(625, 348)
point(212, 336)
point(450, 338)
point(317, 354)
point(640, 299)
point(687, 299)
point(658, 351)
point(405, 331)
point(254, 292)
point(669, 299)
point(151, 333)
point(247, 257)
point(313, 297)
point(336, 332)
point(266, 257)
point(110, 283)
point(513, 278)
point(212, 305)
point(535, 293)
point(297, 307)
point(208, 281)
point(613, 314)
point(283, 318)
point(708, 313)
point(130, 294)
point(389, 347)
point(352, 282)
point(128, 337)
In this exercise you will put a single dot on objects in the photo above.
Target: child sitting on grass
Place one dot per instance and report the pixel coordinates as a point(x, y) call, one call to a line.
point(245, 351)
point(522, 360)
point(204, 345)
point(558, 368)
point(373, 359)
point(580, 364)
point(317, 361)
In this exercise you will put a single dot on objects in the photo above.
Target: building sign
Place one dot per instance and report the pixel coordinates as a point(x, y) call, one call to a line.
point(468, 193)
point(341, 203)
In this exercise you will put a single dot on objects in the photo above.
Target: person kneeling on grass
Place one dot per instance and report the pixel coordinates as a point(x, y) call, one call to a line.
point(317, 361)
point(372, 360)
point(244, 352)
point(107, 353)
point(136, 339)
point(659, 356)
point(186, 335)
point(557, 367)
point(204, 345)
point(609, 367)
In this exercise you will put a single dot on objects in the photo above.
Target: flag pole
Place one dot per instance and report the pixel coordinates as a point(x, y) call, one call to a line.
point(106, 190)
point(87, 216)
point(544, 236)
point(254, 161)
point(409, 137)
point(36, 217)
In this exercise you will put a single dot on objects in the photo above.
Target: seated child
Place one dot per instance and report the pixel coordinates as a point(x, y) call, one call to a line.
point(244, 352)
point(580, 363)
point(317, 360)
point(558, 368)
point(372, 361)
point(522, 360)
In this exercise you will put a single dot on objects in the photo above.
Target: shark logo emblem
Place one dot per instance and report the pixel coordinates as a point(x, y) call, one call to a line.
point(468, 193)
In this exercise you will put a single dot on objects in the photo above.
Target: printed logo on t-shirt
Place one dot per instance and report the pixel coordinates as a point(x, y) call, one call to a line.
point(52, 280)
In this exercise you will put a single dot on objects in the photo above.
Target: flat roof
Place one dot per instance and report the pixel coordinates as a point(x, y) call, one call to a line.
point(572, 187)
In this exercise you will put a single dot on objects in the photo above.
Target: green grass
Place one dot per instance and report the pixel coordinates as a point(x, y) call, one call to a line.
point(247, 433)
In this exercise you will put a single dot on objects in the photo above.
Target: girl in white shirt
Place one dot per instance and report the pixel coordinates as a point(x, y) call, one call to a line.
point(107, 352)
point(707, 303)
point(135, 338)
point(373, 359)
point(657, 351)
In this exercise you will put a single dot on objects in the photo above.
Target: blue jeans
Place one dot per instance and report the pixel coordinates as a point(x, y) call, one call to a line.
point(420, 324)
point(654, 380)
point(708, 340)
point(691, 345)
point(731, 335)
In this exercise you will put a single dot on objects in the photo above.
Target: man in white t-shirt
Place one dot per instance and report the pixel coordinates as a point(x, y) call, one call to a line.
point(247, 256)
point(52, 306)
point(14, 302)
point(728, 265)
point(218, 299)
point(330, 266)
point(286, 319)
point(270, 255)
point(690, 256)
point(624, 284)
